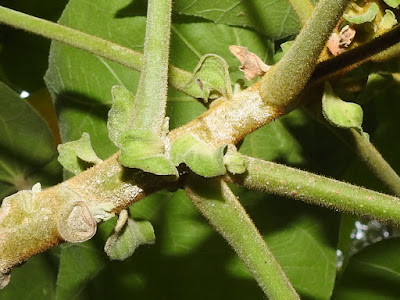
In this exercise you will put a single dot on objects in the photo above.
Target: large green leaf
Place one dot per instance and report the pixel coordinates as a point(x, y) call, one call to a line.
point(273, 18)
point(22, 157)
point(23, 56)
point(79, 264)
point(34, 280)
point(372, 274)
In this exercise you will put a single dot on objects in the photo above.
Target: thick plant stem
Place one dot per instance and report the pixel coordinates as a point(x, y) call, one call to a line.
point(282, 180)
point(151, 96)
point(282, 84)
point(84, 41)
point(303, 9)
point(220, 206)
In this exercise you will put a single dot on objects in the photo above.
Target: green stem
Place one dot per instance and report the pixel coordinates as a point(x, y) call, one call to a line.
point(151, 96)
point(220, 206)
point(303, 9)
point(374, 160)
point(364, 149)
point(280, 85)
point(84, 41)
point(300, 185)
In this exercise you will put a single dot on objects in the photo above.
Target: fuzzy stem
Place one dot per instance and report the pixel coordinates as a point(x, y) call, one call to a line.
point(374, 160)
point(220, 206)
point(364, 149)
point(303, 9)
point(280, 85)
point(151, 96)
point(301, 185)
point(84, 41)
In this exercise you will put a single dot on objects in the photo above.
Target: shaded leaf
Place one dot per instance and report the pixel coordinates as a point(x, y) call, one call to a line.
point(79, 263)
point(373, 273)
point(21, 154)
point(33, 280)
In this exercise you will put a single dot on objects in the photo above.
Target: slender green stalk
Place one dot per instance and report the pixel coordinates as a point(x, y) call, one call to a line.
point(280, 85)
point(282, 180)
point(220, 206)
point(84, 41)
point(151, 96)
point(374, 160)
point(303, 9)
point(365, 150)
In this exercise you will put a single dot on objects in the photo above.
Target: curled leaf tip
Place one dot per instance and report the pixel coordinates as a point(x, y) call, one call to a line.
point(252, 66)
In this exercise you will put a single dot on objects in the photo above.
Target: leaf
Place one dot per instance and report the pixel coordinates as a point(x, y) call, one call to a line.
point(392, 3)
point(79, 264)
point(275, 19)
point(118, 115)
point(33, 280)
point(373, 273)
point(234, 161)
point(340, 113)
point(210, 78)
point(144, 149)
point(388, 21)
point(74, 154)
point(21, 154)
point(201, 157)
point(368, 16)
point(19, 70)
point(127, 236)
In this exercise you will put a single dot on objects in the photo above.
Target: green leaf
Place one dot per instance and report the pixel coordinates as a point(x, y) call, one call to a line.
point(210, 78)
point(73, 155)
point(201, 157)
point(340, 113)
point(79, 264)
point(275, 19)
point(144, 149)
point(33, 280)
point(127, 236)
point(373, 273)
point(368, 16)
point(26, 145)
point(17, 69)
point(118, 116)
point(392, 3)
point(234, 161)
point(388, 21)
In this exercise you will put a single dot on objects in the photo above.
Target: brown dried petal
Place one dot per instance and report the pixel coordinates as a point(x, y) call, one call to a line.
point(252, 66)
